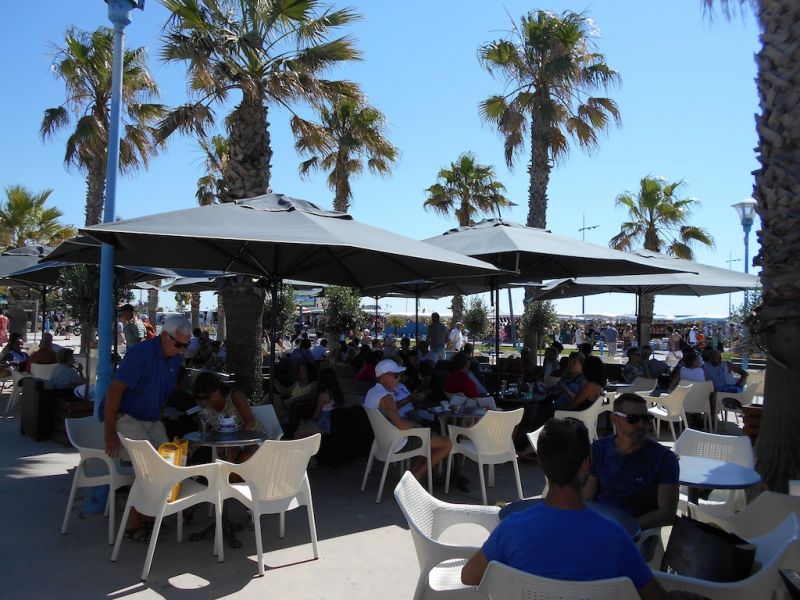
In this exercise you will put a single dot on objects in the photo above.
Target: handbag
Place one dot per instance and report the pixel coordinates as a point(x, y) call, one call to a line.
point(705, 551)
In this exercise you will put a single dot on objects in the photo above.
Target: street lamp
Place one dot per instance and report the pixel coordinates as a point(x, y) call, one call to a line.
point(583, 231)
point(746, 209)
point(119, 13)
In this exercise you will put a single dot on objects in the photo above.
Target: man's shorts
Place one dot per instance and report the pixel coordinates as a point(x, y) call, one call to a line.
point(153, 431)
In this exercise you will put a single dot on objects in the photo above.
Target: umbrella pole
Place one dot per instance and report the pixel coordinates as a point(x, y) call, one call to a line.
point(376, 317)
point(639, 319)
point(416, 318)
point(513, 323)
point(275, 283)
point(496, 297)
point(44, 308)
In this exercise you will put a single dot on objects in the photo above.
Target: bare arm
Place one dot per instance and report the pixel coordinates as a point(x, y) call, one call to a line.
point(740, 372)
point(244, 410)
point(389, 408)
point(473, 571)
point(589, 391)
point(110, 412)
point(667, 507)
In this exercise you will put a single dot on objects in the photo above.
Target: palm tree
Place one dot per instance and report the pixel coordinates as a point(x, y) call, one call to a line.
point(776, 191)
point(84, 65)
point(550, 66)
point(348, 134)
point(466, 189)
point(26, 221)
point(271, 52)
point(658, 220)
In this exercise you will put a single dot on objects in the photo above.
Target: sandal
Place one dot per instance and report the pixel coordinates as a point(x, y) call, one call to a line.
point(138, 534)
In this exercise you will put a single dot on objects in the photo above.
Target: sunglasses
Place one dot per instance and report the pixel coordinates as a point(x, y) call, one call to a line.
point(178, 344)
point(634, 419)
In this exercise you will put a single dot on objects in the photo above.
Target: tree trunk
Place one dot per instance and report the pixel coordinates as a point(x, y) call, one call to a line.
point(245, 303)
point(152, 306)
point(646, 306)
point(777, 191)
point(195, 310)
point(457, 308)
point(247, 172)
point(342, 200)
point(221, 319)
point(17, 315)
point(539, 173)
point(95, 191)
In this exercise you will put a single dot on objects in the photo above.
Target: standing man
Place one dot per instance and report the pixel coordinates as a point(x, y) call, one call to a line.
point(137, 395)
point(437, 333)
point(456, 338)
point(573, 532)
point(610, 334)
point(132, 327)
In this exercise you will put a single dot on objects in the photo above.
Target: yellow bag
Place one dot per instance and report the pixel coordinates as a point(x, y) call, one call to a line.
point(175, 453)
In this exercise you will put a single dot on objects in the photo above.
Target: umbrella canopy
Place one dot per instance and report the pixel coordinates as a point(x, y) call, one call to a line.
point(47, 273)
point(18, 259)
point(696, 279)
point(279, 237)
point(538, 254)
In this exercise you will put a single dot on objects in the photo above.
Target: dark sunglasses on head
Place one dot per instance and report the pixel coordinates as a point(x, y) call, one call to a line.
point(634, 419)
point(178, 344)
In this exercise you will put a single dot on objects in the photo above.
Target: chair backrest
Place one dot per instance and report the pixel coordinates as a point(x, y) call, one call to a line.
point(265, 414)
point(42, 371)
point(85, 432)
point(278, 468)
point(385, 433)
point(154, 475)
point(764, 514)
point(501, 582)
point(728, 448)
point(641, 384)
point(588, 416)
point(417, 505)
point(697, 399)
point(492, 434)
point(674, 402)
point(750, 392)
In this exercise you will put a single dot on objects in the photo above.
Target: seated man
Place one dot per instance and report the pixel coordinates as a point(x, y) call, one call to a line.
point(721, 372)
point(634, 367)
point(653, 368)
point(561, 538)
point(632, 472)
point(67, 374)
point(45, 355)
point(458, 380)
point(381, 397)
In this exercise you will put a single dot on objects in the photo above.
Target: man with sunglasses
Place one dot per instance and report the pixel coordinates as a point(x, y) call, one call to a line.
point(632, 472)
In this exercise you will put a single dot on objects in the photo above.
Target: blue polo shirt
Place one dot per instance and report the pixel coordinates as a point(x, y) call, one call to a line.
point(630, 482)
point(571, 545)
point(150, 377)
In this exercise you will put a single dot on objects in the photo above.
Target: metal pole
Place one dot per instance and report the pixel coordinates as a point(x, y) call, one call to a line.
point(747, 224)
point(513, 324)
point(583, 239)
point(119, 13)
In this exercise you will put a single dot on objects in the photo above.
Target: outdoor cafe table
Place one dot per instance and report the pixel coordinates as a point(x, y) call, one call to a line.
point(707, 473)
point(626, 521)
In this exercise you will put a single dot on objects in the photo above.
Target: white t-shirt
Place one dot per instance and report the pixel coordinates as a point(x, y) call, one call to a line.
point(456, 339)
point(373, 400)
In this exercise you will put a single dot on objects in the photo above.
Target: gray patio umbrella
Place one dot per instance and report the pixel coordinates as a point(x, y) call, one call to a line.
point(695, 279)
point(537, 254)
point(279, 237)
point(16, 259)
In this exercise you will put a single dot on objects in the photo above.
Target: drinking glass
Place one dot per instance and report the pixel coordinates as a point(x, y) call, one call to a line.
point(204, 419)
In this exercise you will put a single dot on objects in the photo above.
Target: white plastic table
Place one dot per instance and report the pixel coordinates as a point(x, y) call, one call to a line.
point(707, 473)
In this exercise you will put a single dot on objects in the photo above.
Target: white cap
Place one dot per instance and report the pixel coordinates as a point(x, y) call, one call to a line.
point(387, 366)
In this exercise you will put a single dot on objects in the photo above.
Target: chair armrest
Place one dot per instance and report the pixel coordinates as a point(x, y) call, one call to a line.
point(210, 471)
point(453, 431)
point(422, 433)
point(448, 515)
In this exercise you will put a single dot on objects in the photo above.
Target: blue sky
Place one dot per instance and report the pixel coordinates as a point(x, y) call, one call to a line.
point(687, 101)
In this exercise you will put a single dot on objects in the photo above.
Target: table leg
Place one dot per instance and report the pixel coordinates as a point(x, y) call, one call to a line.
point(693, 496)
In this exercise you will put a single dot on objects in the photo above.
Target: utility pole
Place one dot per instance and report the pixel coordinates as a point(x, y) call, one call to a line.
point(730, 262)
point(583, 230)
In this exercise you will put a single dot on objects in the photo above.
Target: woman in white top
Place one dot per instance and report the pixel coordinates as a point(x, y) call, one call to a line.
point(689, 371)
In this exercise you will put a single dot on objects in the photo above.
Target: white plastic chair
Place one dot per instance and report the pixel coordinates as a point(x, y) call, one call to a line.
point(771, 549)
point(698, 400)
point(745, 398)
point(588, 416)
point(501, 582)
point(728, 448)
point(155, 478)
point(762, 515)
point(265, 414)
point(95, 467)
point(16, 388)
point(640, 384)
point(386, 447)
point(275, 480)
point(488, 442)
point(42, 371)
point(428, 518)
point(669, 408)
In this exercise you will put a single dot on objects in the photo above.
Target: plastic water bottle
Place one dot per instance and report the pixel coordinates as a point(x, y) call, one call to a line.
point(602, 347)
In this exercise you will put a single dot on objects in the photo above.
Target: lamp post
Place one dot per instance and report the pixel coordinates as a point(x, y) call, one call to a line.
point(730, 262)
point(119, 13)
point(746, 209)
point(583, 231)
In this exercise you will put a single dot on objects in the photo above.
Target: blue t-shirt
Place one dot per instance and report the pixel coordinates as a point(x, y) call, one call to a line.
point(630, 482)
point(571, 545)
point(150, 377)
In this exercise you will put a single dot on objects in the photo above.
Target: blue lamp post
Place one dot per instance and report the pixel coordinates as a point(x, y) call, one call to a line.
point(746, 209)
point(119, 13)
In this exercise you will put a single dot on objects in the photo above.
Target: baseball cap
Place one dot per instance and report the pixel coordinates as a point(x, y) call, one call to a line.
point(387, 366)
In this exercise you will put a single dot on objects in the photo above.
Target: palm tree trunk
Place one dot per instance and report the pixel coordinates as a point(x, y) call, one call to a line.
point(95, 192)
point(247, 171)
point(342, 200)
point(539, 173)
point(17, 315)
point(221, 319)
point(152, 306)
point(777, 191)
point(195, 310)
point(646, 307)
point(245, 303)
